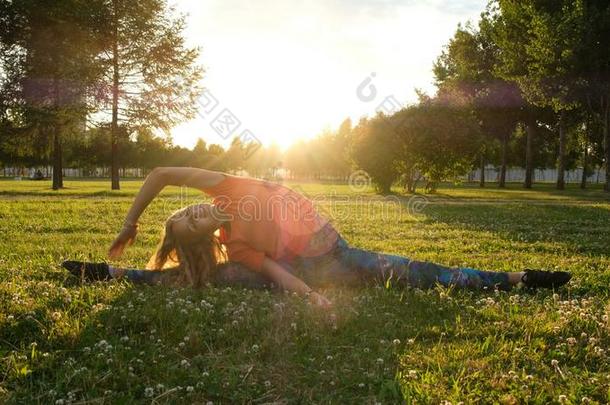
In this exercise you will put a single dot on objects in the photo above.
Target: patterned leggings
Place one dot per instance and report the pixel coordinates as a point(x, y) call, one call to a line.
point(346, 265)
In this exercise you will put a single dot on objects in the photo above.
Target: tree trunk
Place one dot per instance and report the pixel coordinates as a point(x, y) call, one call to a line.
point(58, 180)
point(502, 182)
point(530, 131)
point(606, 125)
point(482, 168)
point(561, 161)
point(583, 179)
point(114, 171)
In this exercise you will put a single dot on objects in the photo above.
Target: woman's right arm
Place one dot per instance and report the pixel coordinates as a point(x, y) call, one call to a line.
point(154, 183)
point(280, 276)
point(169, 176)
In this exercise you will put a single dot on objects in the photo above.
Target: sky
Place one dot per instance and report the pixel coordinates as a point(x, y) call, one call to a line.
point(277, 71)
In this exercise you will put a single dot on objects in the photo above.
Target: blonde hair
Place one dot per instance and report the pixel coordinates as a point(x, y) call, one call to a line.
point(193, 263)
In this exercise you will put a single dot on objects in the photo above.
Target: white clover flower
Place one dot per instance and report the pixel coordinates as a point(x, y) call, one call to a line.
point(412, 373)
point(410, 341)
point(255, 347)
point(149, 392)
point(379, 361)
point(184, 363)
point(554, 363)
point(361, 385)
point(329, 357)
point(125, 339)
point(190, 388)
point(571, 341)
point(59, 402)
point(267, 383)
point(181, 344)
point(205, 374)
point(562, 399)
point(293, 325)
point(396, 342)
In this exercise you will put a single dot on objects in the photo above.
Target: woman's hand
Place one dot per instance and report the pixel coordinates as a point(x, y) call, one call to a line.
point(319, 300)
point(280, 276)
point(126, 237)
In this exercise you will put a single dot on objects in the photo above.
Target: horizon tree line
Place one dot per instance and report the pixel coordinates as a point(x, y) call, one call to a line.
point(90, 83)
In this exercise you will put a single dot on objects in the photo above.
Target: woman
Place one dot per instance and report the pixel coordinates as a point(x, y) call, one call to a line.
point(269, 233)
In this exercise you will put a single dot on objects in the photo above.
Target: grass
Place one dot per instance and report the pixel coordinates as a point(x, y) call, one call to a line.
point(61, 342)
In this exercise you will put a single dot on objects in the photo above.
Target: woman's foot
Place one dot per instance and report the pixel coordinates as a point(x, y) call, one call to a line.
point(88, 271)
point(544, 279)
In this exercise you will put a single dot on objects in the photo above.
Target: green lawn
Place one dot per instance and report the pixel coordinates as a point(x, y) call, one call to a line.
point(61, 342)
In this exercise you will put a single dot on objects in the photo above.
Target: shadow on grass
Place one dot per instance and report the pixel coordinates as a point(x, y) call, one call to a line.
point(64, 192)
point(122, 343)
point(585, 229)
point(540, 191)
point(568, 232)
point(221, 344)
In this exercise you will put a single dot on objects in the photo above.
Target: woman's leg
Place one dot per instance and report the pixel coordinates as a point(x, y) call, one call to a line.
point(137, 276)
point(227, 274)
point(403, 271)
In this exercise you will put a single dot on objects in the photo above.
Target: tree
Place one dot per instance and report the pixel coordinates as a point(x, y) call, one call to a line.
point(508, 26)
point(375, 150)
point(465, 75)
point(555, 32)
point(48, 51)
point(153, 151)
point(151, 76)
point(593, 56)
point(437, 139)
point(558, 54)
